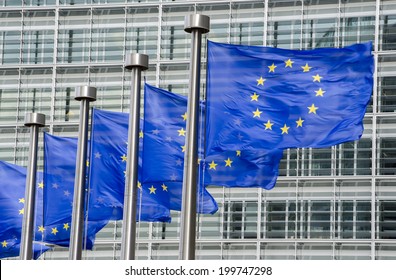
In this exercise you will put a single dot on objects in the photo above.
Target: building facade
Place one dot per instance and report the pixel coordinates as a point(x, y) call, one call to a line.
point(332, 203)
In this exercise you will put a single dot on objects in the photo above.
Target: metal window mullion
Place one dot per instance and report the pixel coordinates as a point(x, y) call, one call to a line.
point(264, 228)
point(266, 11)
point(337, 30)
point(333, 212)
point(229, 22)
point(124, 56)
point(22, 37)
point(340, 149)
point(243, 218)
point(355, 157)
point(287, 203)
point(333, 161)
point(228, 222)
point(354, 218)
point(158, 57)
point(297, 163)
point(302, 161)
point(302, 217)
point(288, 162)
point(258, 227)
point(339, 221)
point(90, 36)
point(302, 25)
point(309, 211)
point(296, 212)
point(374, 129)
point(43, 39)
point(54, 68)
point(310, 152)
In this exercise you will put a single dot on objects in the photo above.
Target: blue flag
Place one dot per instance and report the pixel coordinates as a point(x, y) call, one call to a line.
point(12, 200)
point(59, 174)
point(265, 98)
point(165, 130)
point(165, 116)
point(108, 169)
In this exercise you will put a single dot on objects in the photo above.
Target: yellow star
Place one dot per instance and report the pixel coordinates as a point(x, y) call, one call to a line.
point(22, 211)
point(256, 113)
point(306, 68)
point(4, 243)
point(299, 122)
point(152, 190)
point(316, 78)
point(41, 185)
point(164, 187)
point(268, 125)
point(21, 200)
point(212, 165)
point(87, 163)
point(184, 116)
point(66, 226)
point(312, 109)
point(41, 229)
point(141, 134)
point(285, 129)
point(238, 153)
point(182, 132)
point(183, 148)
point(139, 185)
point(289, 63)
point(124, 158)
point(260, 81)
point(319, 92)
point(272, 68)
point(254, 97)
point(228, 162)
point(54, 231)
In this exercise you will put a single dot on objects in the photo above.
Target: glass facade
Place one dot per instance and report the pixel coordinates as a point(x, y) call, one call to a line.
point(332, 203)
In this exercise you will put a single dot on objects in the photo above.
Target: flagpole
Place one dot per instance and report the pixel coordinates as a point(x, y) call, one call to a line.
point(136, 63)
point(34, 121)
point(85, 94)
point(196, 25)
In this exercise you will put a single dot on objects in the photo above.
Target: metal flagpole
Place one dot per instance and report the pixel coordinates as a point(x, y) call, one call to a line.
point(34, 121)
point(85, 94)
point(136, 63)
point(196, 25)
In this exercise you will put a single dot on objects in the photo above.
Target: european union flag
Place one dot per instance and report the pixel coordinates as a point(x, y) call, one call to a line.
point(165, 116)
point(265, 98)
point(109, 140)
point(165, 123)
point(59, 173)
point(12, 200)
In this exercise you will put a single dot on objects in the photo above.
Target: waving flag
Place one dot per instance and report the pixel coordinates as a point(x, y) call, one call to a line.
point(107, 172)
point(164, 139)
point(59, 173)
point(266, 98)
point(12, 200)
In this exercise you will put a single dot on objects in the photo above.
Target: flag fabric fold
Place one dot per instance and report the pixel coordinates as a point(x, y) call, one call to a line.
point(12, 200)
point(266, 98)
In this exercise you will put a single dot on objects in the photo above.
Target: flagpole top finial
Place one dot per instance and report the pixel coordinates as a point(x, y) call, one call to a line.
point(197, 21)
point(136, 60)
point(85, 92)
point(35, 119)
